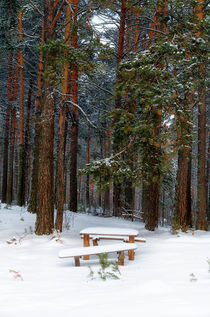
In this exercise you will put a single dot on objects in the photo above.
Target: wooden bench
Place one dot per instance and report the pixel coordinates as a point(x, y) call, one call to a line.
point(109, 231)
point(76, 253)
point(96, 238)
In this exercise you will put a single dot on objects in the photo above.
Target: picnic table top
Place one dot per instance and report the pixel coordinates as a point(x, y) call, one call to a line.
point(81, 251)
point(109, 231)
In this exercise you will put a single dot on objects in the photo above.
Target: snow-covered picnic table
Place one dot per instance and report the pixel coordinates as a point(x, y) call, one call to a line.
point(110, 232)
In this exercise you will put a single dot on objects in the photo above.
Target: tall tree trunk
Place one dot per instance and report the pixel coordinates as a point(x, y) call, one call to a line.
point(151, 205)
point(208, 178)
point(88, 176)
point(62, 134)
point(16, 165)
point(74, 128)
point(11, 157)
point(152, 183)
point(121, 39)
point(101, 138)
point(183, 200)
point(21, 172)
point(45, 197)
point(183, 191)
point(201, 223)
point(32, 207)
point(27, 141)
point(107, 145)
point(6, 134)
point(12, 135)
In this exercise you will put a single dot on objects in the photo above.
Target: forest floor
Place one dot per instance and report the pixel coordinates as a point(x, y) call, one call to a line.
point(170, 276)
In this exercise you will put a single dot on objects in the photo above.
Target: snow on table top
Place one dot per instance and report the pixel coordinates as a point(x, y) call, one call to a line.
point(110, 231)
point(97, 249)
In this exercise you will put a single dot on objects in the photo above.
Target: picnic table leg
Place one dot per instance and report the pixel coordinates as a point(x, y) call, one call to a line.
point(131, 252)
point(121, 258)
point(76, 260)
point(86, 241)
point(95, 242)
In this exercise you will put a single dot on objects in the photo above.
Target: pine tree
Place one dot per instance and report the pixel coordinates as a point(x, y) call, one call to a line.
point(45, 196)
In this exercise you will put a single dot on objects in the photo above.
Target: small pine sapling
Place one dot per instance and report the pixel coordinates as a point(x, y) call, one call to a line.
point(108, 269)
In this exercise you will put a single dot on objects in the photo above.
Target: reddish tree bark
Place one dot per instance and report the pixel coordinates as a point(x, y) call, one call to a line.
point(32, 207)
point(62, 134)
point(45, 197)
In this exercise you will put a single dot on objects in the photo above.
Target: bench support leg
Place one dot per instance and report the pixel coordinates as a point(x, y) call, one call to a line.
point(131, 252)
point(121, 258)
point(95, 242)
point(76, 260)
point(86, 240)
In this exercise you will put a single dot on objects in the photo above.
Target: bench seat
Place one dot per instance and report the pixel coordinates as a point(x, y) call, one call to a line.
point(76, 253)
point(97, 238)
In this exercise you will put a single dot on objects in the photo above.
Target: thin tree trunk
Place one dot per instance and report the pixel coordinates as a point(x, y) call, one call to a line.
point(16, 165)
point(11, 157)
point(201, 223)
point(74, 128)
point(208, 178)
point(12, 136)
point(6, 134)
point(27, 140)
point(62, 134)
point(21, 172)
point(183, 193)
point(117, 186)
point(32, 207)
point(88, 176)
point(106, 154)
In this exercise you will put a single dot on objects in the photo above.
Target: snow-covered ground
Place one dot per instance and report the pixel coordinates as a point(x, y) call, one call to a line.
point(170, 275)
